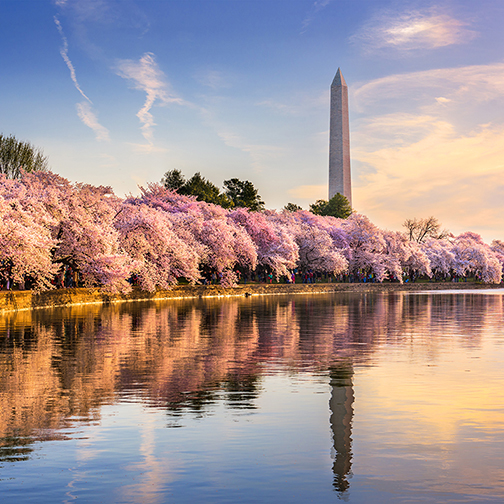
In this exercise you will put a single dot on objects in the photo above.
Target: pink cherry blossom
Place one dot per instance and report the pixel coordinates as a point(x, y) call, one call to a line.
point(440, 255)
point(147, 235)
point(474, 257)
point(49, 226)
point(25, 247)
point(275, 247)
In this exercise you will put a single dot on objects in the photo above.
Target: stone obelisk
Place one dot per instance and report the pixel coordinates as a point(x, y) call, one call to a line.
point(340, 178)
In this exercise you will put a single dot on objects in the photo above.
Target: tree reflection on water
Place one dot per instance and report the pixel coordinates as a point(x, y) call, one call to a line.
point(58, 367)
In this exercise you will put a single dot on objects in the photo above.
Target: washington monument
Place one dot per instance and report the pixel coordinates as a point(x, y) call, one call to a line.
point(340, 178)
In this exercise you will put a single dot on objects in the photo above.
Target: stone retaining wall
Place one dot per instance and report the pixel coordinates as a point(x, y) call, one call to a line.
point(27, 300)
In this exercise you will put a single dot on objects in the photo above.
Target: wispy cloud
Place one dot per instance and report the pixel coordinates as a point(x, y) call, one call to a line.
point(66, 59)
point(317, 6)
point(88, 117)
point(260, 155)
point(109, 161)
point(147, 76)
point(412, 30)
point(214, 79)
point(105, 12)
point(90, 10)
point(284, 108)
point(298, 103)
point(148, 148)
point(84, 111)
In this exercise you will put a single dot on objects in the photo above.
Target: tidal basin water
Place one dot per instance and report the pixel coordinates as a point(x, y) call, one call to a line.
point(362, 398)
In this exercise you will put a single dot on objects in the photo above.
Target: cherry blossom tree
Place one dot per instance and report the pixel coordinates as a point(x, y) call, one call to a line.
point(161, 257)
point(49, 225)
point(222, 243)
point(404, 256)
point(498, 249)
point(441, 256)
point(367, 248)
point(25, 247)
point(275, 247)
point(79, 218)
point(473, 256)
point(316, 249)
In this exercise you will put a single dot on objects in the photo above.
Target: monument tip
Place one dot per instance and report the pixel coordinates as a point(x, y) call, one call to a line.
point(338, 79)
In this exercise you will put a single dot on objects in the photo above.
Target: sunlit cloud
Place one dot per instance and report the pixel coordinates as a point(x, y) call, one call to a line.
point(392, 130)
point(147, 76)
point(66, 59)
point(470, 85)
point(437, 151)
point(427, 166)
point(88, 117)
point(413, 30)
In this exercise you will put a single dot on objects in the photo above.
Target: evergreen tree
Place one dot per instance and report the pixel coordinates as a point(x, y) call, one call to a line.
point(173, 180)
point(319, 207)
point(292, 207)
point(243, 194)
point(338, 206)
point(238, 193)
point(204, 190)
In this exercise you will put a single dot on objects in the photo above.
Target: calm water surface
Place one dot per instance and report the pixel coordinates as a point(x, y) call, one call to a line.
point(363, 398)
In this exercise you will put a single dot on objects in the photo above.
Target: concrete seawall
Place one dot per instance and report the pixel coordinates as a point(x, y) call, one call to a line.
point(26, 300)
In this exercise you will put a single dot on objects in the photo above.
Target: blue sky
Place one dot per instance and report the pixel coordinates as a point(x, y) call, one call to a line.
point(119, 92)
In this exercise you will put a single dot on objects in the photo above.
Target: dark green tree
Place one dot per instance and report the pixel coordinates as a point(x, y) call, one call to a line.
point(338, 206)
point(292, 207)
point(16, 155)
point(173, 180)
point(243, 194)
point(319, 207)
point(238, 193)
point(197, 186)
point(204, 190)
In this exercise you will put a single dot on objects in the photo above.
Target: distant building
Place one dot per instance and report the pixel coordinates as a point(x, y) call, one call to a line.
point(340, 177)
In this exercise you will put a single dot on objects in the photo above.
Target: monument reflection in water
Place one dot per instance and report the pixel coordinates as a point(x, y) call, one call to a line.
point(405, 385)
